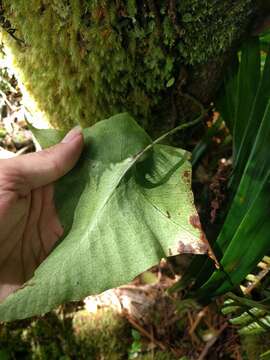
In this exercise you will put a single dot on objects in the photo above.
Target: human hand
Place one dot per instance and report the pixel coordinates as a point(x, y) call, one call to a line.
point(29, 225)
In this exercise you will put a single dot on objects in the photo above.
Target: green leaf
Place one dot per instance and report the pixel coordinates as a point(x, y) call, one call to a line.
point(254, 121)
point(244, 237)
point(265, 36)
point(265, 355)
point(246, 228)
point(123, 209)
point(4, 355)
point(135, 335)
point(226, 102)
point(170, 82)
point(247, 302)
point(248, 80)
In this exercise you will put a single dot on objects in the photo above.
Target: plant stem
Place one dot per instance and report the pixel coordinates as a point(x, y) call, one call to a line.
point(173, 131)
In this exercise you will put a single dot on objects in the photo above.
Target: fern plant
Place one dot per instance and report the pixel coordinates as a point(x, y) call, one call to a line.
point(252, 318)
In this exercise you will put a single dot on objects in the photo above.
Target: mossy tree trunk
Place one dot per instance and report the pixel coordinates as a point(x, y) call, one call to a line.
point(84, 60)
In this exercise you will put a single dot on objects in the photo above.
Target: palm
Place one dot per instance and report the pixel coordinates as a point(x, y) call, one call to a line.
point(29, 230)
point(29, 225)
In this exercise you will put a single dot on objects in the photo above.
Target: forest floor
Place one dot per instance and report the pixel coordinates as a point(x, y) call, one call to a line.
point(137, 321)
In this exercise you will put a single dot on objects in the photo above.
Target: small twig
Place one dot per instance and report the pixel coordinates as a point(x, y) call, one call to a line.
point(12, 108)
point(265, 270)
point(173, 131)
point(199, 317)
point(211, 342)
point(194, 338)
point(145, 333)
point(23, 150)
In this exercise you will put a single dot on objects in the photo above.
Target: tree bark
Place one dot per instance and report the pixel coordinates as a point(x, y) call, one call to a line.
point(84, 61)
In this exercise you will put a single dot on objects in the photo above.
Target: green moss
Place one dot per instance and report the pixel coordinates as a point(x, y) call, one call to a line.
point(66, 336)
point(84, 60)
point(211, 27)
point(104, 334)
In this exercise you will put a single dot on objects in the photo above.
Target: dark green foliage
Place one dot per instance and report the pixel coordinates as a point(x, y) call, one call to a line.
point(243, 240)
point(85, 60)
point(247, 85)
point(265, 40)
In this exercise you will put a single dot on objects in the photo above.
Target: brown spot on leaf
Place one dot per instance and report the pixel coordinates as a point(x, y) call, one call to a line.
point(168, 214)
point(187, 177)
point(190, 249)
point(194, 220)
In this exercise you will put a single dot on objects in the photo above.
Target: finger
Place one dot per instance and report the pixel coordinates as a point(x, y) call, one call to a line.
point(46, 166)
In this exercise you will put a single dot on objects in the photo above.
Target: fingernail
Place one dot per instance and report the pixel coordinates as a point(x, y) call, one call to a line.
point(72, 134)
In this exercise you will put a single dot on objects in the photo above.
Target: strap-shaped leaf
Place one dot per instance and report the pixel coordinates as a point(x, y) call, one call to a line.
point(122, 209)
point(244, 237)
point(247, 88)
point(227, 99)
point(254, 122)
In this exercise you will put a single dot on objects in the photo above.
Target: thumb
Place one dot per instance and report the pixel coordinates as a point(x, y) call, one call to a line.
point(46, 166)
